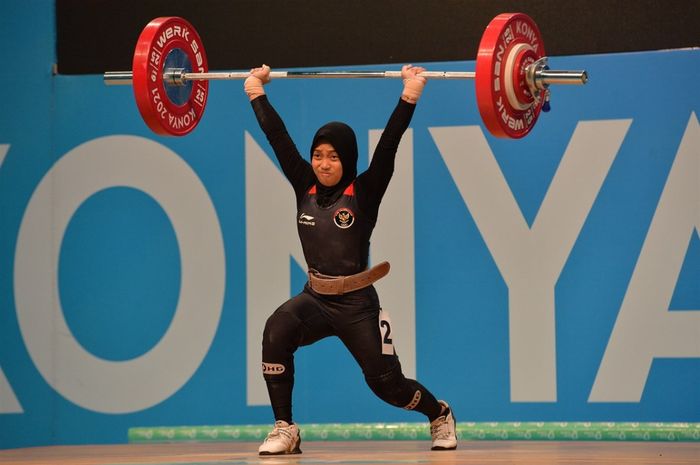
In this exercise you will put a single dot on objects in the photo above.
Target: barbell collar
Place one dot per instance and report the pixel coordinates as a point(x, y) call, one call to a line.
point(538, 76)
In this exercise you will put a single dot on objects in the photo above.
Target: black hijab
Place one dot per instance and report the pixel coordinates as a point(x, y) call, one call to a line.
point(342, 138)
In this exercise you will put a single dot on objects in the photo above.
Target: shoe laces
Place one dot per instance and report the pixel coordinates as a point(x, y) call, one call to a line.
point(280, 431)
point(439, 428)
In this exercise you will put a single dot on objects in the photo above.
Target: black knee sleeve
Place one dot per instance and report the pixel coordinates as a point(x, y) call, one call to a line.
point(280, 341)
point(279, 344)
point(395, 389)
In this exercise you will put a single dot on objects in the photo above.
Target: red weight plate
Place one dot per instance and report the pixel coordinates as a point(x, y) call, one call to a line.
point(510, 42)
point(157, 40)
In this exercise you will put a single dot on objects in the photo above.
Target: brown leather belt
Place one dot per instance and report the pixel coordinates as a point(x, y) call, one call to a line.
point(338, 285)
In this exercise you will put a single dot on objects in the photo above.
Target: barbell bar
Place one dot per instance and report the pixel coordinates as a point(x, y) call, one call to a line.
point(178, 76)
point(170, 76)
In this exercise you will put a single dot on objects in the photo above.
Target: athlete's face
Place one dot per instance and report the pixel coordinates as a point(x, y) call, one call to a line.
point(326, 164)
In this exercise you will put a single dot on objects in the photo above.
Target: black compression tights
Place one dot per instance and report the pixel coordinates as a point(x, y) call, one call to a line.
point(307, 318)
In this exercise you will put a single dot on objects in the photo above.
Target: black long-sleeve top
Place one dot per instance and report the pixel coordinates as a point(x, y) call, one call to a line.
point(370, 185)
point(335, 224)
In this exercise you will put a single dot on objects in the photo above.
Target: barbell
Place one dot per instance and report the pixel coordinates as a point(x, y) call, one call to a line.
point(170, 76)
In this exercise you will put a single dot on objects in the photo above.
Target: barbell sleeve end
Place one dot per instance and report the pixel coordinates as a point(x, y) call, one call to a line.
point(548, 76)
point(118, 78)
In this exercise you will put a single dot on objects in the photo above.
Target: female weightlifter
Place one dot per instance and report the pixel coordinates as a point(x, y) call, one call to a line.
point(336, 213)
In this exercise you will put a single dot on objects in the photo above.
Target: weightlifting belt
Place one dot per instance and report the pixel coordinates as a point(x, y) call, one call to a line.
point(338, 285)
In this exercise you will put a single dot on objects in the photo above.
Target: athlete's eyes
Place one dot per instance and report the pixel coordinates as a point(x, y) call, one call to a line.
point(318, 155)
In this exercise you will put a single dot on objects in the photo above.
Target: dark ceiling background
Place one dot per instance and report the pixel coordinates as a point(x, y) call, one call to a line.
point(94, 36)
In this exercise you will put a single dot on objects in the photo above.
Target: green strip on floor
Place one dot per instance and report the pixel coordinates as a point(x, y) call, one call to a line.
point(490, 431)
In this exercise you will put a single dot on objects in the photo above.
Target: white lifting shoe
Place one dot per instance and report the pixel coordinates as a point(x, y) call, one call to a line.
point(283, 439)
point(443, 430)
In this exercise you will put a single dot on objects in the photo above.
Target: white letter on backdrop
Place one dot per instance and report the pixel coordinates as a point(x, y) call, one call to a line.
point(271, 238)
point(397, 290)
point(644, 328)
point(4, 148)
point(139, 383)
point(531, 259)
point(8, 400)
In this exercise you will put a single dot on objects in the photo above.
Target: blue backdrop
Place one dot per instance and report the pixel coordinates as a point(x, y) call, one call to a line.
point(545, 273)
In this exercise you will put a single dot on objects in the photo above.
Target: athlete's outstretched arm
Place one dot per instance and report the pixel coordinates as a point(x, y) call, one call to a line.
point(297, 170)
point(376, 179)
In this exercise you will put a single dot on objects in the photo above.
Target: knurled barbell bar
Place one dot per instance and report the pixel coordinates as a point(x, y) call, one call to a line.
point(170, 76)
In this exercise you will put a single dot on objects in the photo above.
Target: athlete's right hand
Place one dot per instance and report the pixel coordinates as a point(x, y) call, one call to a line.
point(262, 73)
point(254, 83)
